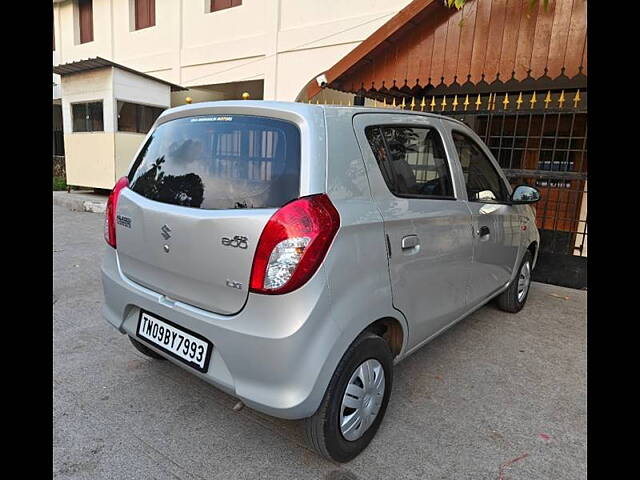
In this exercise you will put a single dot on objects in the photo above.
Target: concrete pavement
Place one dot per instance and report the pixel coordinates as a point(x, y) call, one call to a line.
point(496, 394)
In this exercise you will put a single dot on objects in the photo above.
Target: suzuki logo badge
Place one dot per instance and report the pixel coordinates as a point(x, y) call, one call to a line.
point(165, 232)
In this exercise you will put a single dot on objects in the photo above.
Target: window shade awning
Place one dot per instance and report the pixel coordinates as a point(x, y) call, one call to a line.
point(98, 62)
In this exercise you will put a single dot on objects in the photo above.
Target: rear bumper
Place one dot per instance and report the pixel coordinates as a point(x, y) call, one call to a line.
point(277, 354)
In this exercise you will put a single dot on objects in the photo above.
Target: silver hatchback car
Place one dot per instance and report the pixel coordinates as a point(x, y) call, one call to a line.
point(290, 254)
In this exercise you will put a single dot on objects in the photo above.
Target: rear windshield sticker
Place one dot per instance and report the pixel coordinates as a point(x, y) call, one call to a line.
point(212, 119)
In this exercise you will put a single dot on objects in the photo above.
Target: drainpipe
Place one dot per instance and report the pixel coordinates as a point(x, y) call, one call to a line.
point(271, 52)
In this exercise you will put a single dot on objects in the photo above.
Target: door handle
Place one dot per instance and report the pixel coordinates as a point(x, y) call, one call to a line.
point(484, 231)
point(409, 242)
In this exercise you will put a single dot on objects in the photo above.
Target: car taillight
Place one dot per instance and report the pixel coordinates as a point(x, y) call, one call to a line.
point(293, 244)
point(110, 212)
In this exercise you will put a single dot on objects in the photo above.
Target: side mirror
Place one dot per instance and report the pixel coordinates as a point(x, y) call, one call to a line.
point(525, 194)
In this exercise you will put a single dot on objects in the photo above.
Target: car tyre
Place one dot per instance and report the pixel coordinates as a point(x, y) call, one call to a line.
point(368, 353)
point(513, 298)
point(145, 350)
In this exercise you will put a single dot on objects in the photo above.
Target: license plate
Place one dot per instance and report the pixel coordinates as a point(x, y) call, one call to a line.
point(186, 346)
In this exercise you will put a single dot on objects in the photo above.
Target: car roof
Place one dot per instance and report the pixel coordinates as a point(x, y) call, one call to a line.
point(357, 110)
point(297, 107)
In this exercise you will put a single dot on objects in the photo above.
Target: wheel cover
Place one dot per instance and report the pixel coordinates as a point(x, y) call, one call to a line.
point(362, 399)
point(524, 280)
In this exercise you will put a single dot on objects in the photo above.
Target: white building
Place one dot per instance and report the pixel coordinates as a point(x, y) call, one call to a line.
point(272, 48)
point(216, 49)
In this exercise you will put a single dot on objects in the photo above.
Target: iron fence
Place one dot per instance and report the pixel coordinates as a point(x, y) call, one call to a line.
point(539, 139)
point(546, 149)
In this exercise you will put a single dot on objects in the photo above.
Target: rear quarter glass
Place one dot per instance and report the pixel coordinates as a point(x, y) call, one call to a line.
point(220, 162)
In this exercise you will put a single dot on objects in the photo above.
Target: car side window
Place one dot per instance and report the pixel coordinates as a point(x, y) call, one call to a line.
point(412, 161)
point(482, 180)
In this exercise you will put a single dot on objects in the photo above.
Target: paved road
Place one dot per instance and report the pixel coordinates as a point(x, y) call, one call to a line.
point(494, 388)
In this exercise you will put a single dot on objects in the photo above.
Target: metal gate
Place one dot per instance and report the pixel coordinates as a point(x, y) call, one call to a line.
point(546, 148)
point(538, 137)
point(58, 137)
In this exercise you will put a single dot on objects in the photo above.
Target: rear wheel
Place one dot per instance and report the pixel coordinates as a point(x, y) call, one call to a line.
point(145, 350)
point(513, 298)
point(355, 401)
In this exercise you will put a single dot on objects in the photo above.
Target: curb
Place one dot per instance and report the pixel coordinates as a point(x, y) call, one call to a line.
point(78, 204)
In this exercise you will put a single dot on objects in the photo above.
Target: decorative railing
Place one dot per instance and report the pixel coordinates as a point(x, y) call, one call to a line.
point(505, 101)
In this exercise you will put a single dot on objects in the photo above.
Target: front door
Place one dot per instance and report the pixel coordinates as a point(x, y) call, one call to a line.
point(428, 228)
point(496, 224)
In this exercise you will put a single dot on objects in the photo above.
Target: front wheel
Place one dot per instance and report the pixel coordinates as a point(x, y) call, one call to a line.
point(513, 298)
point(355, 401)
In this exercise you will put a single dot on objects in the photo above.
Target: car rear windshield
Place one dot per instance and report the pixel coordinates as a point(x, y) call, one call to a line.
point(220, 162)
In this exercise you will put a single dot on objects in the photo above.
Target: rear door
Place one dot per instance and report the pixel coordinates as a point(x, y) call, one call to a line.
point(201, 191)
point(496, 224)
point(428, 227)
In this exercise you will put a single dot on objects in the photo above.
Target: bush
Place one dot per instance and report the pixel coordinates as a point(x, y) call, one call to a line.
point(59, 183)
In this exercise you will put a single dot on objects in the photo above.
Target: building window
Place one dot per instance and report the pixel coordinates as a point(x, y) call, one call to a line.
point(216, 5)
point(87, 117)
point(145, 13)
point(85, 19)
point(136, 118)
